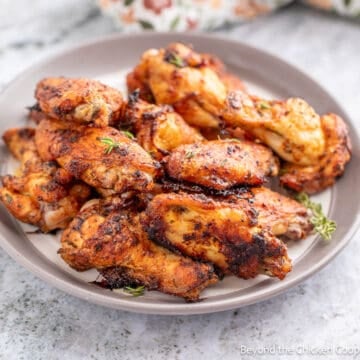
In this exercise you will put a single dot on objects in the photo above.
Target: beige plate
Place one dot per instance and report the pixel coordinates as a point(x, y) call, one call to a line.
point(109, 59)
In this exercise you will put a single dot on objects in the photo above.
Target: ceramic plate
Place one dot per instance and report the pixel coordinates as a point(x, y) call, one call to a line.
point(108, 60)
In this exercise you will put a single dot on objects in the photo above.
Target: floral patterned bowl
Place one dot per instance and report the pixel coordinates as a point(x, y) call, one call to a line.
point(180, 15)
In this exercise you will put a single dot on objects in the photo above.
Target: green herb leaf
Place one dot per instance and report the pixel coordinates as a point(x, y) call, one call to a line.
point(8, 198)
point(189, 155)
point(322, 225)
point(146, 24)
point(110, 143)
point(264, 106)
point(128, 134)
point(128, 2)
point(135, 291)
point(174, 59)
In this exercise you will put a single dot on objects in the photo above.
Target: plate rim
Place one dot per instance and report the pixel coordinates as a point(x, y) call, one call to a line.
point(171, 308)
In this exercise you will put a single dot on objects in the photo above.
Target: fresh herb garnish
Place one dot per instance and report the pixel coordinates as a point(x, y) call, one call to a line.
point(322, 225)
point(8, 198)
point(135, 291)
point(128, 134)
point(189, 155)
point(110, 143)
point(264, 106)
point(174, 59)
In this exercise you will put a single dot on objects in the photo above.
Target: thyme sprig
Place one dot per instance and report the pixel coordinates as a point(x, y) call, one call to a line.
point(173, 58)
point(322, 225)
point(110, 143)
point(135, 290)
point(129, 134)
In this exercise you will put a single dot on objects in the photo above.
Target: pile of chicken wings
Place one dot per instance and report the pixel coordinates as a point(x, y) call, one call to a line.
point(166, 189)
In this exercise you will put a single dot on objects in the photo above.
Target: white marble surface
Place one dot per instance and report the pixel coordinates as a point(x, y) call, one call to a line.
point(40, 322)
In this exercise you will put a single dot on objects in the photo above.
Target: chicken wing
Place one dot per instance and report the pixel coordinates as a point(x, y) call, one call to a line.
point(331, 165)
point(231, 81)
point(135, 81)
point(181, 77)
point(221, 232)
point(221, 164)
point(41, 194)
point(105, 235)
point(104, 158)
point(79, 100)
point(158, 129)
point(284, 216)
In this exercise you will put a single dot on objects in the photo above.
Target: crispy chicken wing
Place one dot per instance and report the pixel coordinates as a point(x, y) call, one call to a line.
point(331, 165)
point(79, 100)
point(221, 164)
point(158, 129)
point(104, 158)
point(231, 81)
point(181, 77)
point(135, 81)
point(291, 127)
point(41, 193)
point(105, 235)
point(284, 216)
point(222, 232)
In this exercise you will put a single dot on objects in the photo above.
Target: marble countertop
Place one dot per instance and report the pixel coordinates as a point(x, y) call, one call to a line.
point(39, 322)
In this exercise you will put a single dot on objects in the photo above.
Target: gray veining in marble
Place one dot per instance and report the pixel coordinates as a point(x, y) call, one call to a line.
point(40, 322)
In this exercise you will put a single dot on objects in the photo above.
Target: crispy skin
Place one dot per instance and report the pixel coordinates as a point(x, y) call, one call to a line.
point(291, 128)
point(284, 216)
point(79, 150)
point(232, 82)
point(158, 129)
point(331, 165)
point(79, 100)
point(221, 164)
point(183, 87)
point(41, 193)
point(103, 235)
point(135, 83)
point(36, 114)
point(221, 232)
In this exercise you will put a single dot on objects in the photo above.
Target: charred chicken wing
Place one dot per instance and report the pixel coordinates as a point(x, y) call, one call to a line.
point(221, 164)
point(104, 235)
point(104, 158)
point(181, 77)
point(41, 193)
point(79, 100)
point(331, 165)
point(220, 232)
point(158, 129)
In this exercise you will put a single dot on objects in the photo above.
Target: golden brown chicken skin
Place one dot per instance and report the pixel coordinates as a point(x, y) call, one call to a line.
point(331, 165)
point(221, 164)
point(35, 113)
point(79, 100)
point(103, 235)
point(41, 193)
point(135, 81)
point(104, 158)
point(231, 81)
point(158, 129)
point(220, 232)
point(181, 77)
point(284, 216)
